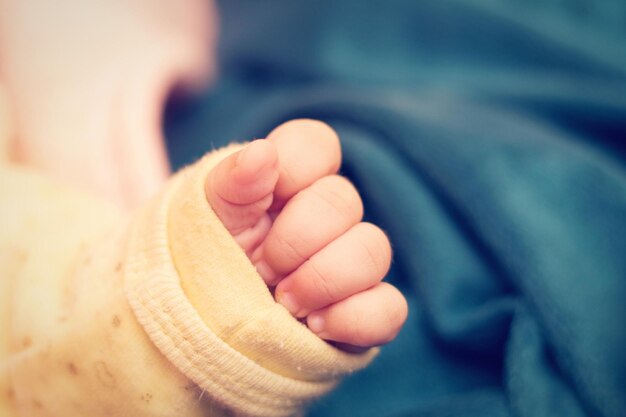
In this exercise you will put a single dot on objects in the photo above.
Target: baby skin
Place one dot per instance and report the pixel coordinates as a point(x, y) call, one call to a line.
point(281, 199)
point(162, 314)
point(300, 225)
point(97, 128)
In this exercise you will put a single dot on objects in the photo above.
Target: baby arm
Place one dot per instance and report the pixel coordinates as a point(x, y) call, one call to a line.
point(169, 317)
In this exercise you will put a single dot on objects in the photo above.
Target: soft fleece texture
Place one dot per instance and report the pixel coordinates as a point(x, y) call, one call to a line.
point(488, 139)
point(158, 315)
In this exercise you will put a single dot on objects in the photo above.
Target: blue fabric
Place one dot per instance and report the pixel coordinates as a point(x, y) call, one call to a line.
point(488, 139)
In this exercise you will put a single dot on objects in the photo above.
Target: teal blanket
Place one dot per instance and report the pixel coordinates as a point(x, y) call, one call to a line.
point(488, 139)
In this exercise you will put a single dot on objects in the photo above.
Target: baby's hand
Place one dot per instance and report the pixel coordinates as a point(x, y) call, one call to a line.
point(300, 225)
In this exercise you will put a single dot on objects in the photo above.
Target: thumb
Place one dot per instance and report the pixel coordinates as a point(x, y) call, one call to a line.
point(240, 188)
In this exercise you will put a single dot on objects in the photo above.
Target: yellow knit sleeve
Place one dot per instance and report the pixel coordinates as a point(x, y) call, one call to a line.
point(203, 291)
point(164, 316)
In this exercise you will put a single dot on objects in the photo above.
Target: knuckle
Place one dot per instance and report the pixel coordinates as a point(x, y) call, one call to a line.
point(389, 328)
point(377, 249)
point(338, 193)
point(327, 134)
point(324, 286)
point(318, 128)
point(363, 329)
point(323, 129)
point(395, 312)
point(282, 250)
point(393, 325)
point(389, 318)
point(310, 129)
point(357, 330)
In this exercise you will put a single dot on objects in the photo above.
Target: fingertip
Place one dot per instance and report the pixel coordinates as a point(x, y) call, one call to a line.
point(254, 160)
point(303, 137)
point(240, 188)
point(315, 323)
point(270, 277)
point(288, 301)
point(246, 176)
point(370, 318)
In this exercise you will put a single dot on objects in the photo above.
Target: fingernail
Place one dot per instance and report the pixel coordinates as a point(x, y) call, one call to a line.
point(241, 158)
point(257, 254)
point(315, 322)
point(288, 301)
point(251, 162)
point(268, 275)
